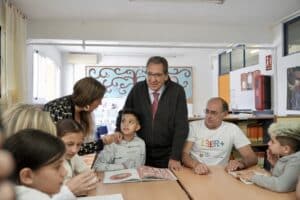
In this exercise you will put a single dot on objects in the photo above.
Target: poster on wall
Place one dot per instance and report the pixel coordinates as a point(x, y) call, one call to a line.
point(119, 80)
point(293, 88)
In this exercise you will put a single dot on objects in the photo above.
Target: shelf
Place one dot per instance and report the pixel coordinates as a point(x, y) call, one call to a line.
point(239, 117)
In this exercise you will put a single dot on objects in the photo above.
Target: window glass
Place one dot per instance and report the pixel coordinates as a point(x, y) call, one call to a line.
point(45, 78)
point(252, 57)
point(224, 63)
point(292, 36)
point(237, 58)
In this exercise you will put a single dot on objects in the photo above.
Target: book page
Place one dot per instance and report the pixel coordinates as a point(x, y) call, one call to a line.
point(118, 176)
point(103, 197)
point(248, 182)
point(152, 173)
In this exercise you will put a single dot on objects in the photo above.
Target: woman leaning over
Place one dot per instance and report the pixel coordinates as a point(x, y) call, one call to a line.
point(86, 97)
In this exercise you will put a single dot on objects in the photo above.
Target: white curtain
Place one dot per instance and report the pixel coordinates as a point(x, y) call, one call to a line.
point(15, 70)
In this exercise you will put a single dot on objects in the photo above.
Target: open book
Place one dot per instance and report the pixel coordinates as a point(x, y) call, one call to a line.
point(143, 173)
point(236, 175)
point(103, 197)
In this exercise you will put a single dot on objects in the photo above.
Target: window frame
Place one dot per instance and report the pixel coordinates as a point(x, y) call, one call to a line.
point(220, 63)
point(240, 47)
point(247, 58)
point(40, 63)
point(1, 62)
point(285, 36)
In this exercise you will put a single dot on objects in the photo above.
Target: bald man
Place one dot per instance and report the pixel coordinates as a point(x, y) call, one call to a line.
point(210, 141)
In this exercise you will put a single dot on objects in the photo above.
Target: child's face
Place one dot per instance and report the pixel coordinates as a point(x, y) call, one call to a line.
point(72, 142)
point(49, 178)
point(129, 124)
point(275, 147)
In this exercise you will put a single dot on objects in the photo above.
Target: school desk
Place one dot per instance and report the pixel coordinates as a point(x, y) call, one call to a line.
point(165, 190)
point(218, 184)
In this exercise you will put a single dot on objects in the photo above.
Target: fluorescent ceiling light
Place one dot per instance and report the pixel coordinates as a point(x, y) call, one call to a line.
point(80, 58)
point(254, 51)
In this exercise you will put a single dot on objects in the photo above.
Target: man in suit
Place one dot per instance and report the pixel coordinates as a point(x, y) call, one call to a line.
point(161, 104)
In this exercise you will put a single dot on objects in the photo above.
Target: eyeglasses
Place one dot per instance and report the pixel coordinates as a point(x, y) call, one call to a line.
point(154, 75)
point(211, 112)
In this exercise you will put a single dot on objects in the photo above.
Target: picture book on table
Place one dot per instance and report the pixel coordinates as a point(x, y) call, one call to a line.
point(236, 175)
point(143, 173)
point(103, 197)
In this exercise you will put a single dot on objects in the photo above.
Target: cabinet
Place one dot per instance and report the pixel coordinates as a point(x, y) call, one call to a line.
point(256, 129)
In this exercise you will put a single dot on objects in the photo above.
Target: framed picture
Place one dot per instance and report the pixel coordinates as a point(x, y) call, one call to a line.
point(293, 89)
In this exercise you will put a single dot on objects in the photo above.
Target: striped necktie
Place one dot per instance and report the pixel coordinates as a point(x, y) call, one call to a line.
point(154, 103)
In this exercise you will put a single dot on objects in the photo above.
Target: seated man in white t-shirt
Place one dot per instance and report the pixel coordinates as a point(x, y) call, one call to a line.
point(210, 141)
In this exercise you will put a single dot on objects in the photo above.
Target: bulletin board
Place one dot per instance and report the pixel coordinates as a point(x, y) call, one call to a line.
point(119, 80)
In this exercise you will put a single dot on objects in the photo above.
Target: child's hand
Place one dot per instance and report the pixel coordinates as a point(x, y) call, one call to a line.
point(82, 183)
point(112, 138)
point(234, 165)
point(272, 158)
point(246, 175)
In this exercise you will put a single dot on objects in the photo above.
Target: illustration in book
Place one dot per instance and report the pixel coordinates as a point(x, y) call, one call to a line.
point(143, 173)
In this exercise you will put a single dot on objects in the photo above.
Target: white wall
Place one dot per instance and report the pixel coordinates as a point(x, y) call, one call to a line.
point(283, 62)
point(152, 32)
point(203, 85)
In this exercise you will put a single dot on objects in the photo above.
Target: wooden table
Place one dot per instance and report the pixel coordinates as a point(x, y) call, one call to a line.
point(164, 190)
point(220, 185)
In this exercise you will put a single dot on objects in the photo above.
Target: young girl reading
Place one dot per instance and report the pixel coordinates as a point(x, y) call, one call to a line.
point(39, 171)
point(71, 133)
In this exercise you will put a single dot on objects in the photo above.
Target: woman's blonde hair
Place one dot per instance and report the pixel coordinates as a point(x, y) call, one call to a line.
point(23, 116)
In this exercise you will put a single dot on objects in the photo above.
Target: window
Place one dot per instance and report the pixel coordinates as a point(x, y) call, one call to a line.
point(237, 58)
point(45, 78)
point(224, 63)
point(252, 57)
point(0, 63)
point(291, 30)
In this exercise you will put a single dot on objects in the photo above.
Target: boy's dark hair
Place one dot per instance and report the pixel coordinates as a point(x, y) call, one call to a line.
point(34, 149)
point(294, 144)
point(121, 113)
point(66, 126)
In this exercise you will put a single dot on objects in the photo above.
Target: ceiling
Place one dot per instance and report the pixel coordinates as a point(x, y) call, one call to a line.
point(268, 13)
